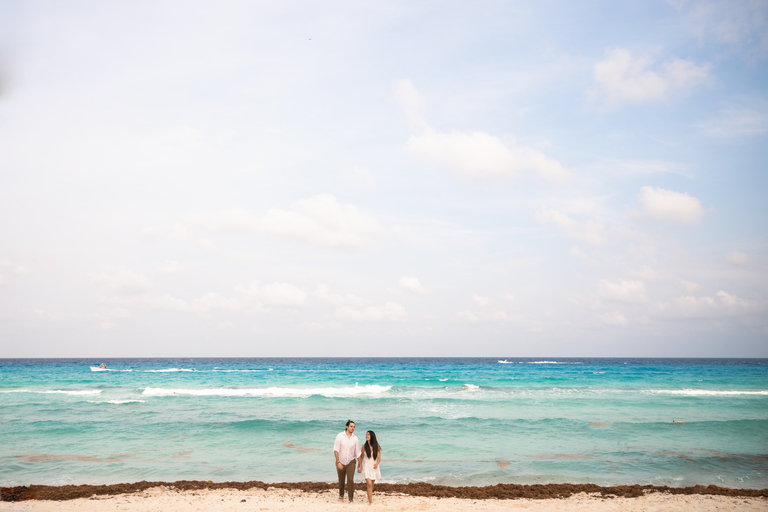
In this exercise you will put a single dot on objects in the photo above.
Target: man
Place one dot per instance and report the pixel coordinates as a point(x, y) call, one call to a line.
point(346, 448)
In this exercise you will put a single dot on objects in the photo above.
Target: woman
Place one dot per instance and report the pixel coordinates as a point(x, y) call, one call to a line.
point(369, 461)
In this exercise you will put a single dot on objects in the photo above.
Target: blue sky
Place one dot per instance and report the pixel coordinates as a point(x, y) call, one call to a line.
point(383, 178)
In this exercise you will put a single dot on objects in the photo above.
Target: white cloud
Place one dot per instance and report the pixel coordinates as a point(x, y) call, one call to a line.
point(412, 284)
point(622, 78)
point(121, 280)
point(480, 154)
point(108, 320)
point(412, 104)
point(483, 302)
point(251, 299)
point(749, 117)
point(180, 233)
point(741, 25)
point(472, 317)
point(322, 326)
point(496, 316)
point(688, 286)
point(362, 178)
point(586, 303)
point(168, 302)
point(615, 318)
point(737, 258)
point(646, 273)
point(322, 293)
point(284, 295)
point(390, 312)
point(151, 232)
point(216, 301)
point(636, 167)
point(669, 206)
point(14, 268)
point(589, 231)
point(723, 304)
point(321, 221)
point(576, 252)
point(622, 291)
point(170, 267)
point(475, 154)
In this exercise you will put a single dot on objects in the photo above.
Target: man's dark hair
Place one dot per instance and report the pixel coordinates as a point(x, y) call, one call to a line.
point(349, 421)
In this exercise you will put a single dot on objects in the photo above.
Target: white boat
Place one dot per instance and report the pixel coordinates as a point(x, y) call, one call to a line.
point(95, 368)
point(504, 361)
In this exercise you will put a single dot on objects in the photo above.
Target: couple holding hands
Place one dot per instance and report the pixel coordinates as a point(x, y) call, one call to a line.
point(346, 448)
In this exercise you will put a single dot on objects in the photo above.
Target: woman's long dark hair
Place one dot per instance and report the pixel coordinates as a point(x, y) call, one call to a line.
point(373, 444)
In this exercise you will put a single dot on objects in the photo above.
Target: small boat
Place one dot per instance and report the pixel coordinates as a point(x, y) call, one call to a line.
point(504, 361)
point(99, 368)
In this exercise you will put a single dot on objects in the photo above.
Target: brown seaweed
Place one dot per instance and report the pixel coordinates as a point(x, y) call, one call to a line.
point(498, 491)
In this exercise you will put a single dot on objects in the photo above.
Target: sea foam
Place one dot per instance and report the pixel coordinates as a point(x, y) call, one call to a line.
point(705, 392)
point(166, 370)
point(552, 362)
point(371, 389)
point(116, 402)
point(55, 391)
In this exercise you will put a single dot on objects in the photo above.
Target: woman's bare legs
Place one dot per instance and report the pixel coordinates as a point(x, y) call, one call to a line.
point(370, 489)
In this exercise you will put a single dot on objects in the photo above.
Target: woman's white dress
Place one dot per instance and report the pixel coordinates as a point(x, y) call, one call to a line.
point(368, 471)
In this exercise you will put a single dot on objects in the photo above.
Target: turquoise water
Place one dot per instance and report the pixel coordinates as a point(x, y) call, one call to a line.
point(444, 421)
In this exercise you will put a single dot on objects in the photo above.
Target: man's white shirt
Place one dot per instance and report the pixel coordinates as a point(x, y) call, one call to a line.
point(348, 448)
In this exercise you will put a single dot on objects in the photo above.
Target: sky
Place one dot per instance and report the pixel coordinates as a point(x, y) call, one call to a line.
point(385, 178)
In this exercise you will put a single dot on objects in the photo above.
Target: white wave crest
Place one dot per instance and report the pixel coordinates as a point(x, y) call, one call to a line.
point(116, 402)
point(228, 371)
point(55, 391)
point(705, 392)
point(166, 370)
point(371, 389)
point(83, 392)
point(471, 387)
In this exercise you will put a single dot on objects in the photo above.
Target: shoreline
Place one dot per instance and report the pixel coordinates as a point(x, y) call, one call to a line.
point(418, 489)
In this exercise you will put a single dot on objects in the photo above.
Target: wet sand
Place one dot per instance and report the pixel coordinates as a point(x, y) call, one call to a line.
point(248, 496)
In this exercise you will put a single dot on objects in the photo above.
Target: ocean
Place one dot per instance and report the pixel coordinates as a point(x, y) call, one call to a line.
point(475, 421)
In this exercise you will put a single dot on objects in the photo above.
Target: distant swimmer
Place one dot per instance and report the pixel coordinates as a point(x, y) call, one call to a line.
point(676, 421)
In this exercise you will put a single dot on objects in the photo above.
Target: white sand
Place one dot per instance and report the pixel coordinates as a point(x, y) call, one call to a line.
point(162, 499)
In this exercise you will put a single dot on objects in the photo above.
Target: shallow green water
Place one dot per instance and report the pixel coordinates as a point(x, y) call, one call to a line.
point(447, 421)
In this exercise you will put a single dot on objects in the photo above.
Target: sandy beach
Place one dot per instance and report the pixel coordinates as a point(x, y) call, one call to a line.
point(249, 496)
point(226, 500)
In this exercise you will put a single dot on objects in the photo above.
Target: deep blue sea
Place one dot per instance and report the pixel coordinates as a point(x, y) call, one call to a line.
point(444, 421)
